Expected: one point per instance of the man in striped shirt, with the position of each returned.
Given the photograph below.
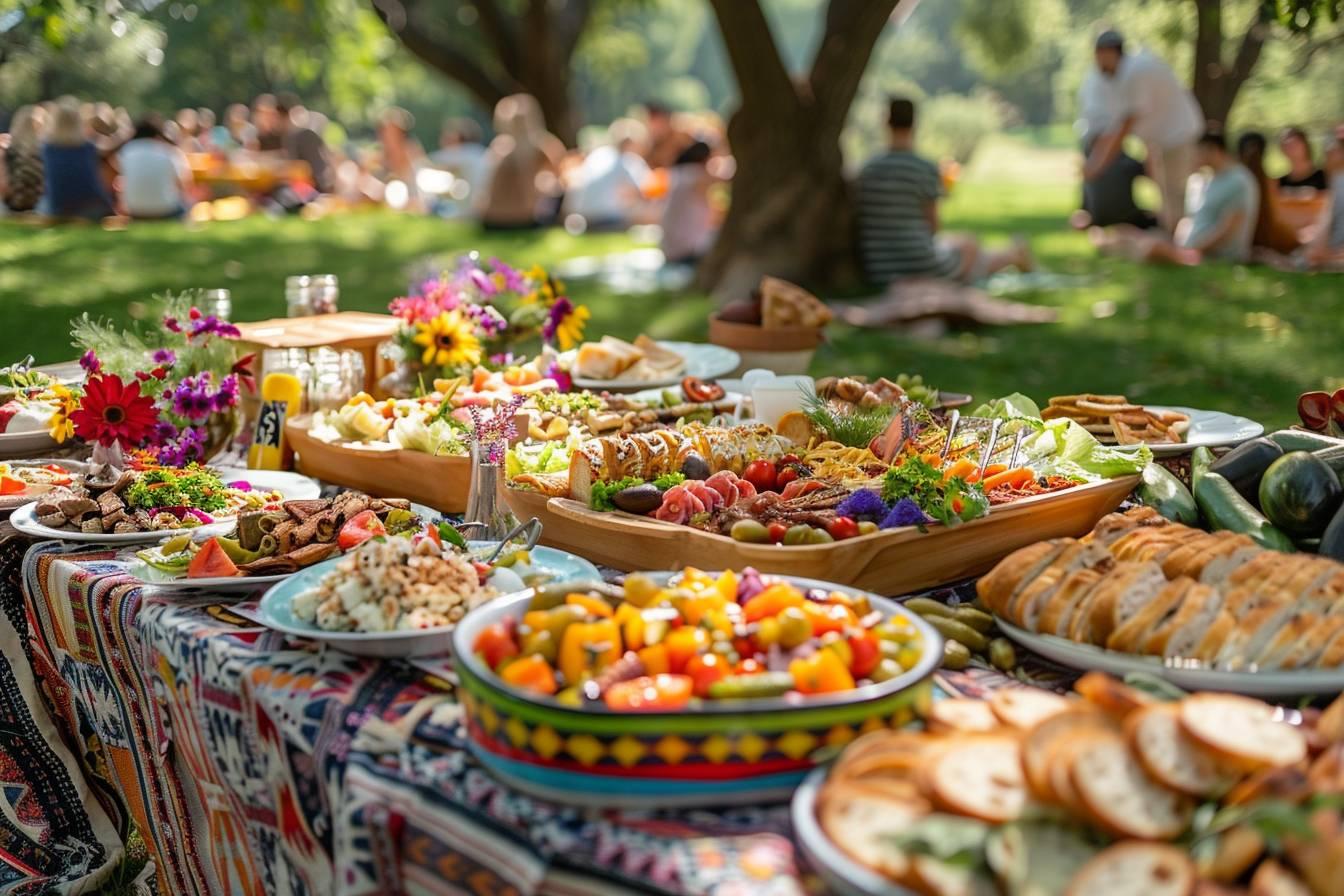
(898, 193)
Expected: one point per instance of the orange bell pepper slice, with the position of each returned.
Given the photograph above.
(593, 604)
(821, 673)
(531, 673)
(650, 693)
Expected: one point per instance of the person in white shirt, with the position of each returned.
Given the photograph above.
(607, 189)
(1108, 198)
(1156, 107)
(155, 177)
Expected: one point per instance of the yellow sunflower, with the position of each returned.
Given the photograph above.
(569, 332)
(60, 426)
(449, 340)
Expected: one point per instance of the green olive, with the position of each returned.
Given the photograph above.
(794, 627)
(867, 527)
(886, 670)
(956, 655)
(819, 536)
(541, 643)
(1002, 654)
(976, 619)
(750, 531)
(797, 535)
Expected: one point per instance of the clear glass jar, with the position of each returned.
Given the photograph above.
(298, 296)
(325, 292)
(218, 302)
(292, 361)
(338, 376)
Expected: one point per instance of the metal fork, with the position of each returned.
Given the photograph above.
(532, 527)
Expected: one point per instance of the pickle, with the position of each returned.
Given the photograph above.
(1002, 654)
(956, 655)
(175, 545)
(927, 606)
(751, 687)
(976, 619)
(959, 631)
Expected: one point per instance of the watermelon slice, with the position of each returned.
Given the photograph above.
(211, 562)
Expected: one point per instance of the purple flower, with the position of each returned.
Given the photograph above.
(213, 325)
(559, 311)
(494, 432)
(227, 396)
(193, 398)
(89, 361)
(563, 381)
(162, 433)
(188, 447)
(171, 324)
(905, 513)
(514, 281)
(504, 359)
(863, 504)
(164, 357)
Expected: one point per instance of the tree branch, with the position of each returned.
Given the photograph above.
(1248, 53)
(398, 16)
(762, 78)
(852, 29)
(1309, 50)
(570, 20)
(501, 32)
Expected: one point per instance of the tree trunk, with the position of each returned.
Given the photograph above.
(1214, 81)
(791, 214)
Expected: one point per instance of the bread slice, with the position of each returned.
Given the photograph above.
(1111, 696)
(883, 753)
(863, 825)
(1135, 869)
(1043, 738)
(1240, 732)
(1026, 606)
(1120, 796)
(1273, 879)
(1131, 636)
(1254, 630)
(1126, 591)
(1217, 571)
(1301, 633)
(1025, 707)
(1332, 656)
(981, 777)
(998, 586)
(961, 715)
(1193, 603)
(1215, 636)
(1257, 572)
(1192, 559)
(1171, 756)
(1203, 603)
(1057, 612)
(1151, 543)
(1114, 526)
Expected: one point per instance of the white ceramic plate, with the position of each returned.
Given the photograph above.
(291, 485)
(24, 444)
(703, 361)
(1267, 685)
(842, 874)
(26, 522)
(165, 581)
(276, 611)
(1209, 429)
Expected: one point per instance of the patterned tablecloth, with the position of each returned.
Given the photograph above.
(256, 766)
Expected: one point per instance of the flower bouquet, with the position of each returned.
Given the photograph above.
(171, 393)
(480, 314)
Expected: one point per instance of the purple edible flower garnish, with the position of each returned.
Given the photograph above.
(905, 513)
(89, 361)
(164, 357)
(863, 504)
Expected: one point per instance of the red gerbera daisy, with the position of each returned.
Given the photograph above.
(112, 412)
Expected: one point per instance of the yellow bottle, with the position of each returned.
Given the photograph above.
(281, 394)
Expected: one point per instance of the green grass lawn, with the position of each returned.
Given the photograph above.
(1240, 339)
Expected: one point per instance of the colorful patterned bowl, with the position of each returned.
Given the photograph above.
(719, 753)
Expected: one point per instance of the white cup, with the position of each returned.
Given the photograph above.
(774, 396)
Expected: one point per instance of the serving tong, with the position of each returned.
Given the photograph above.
(532, 528)
(995, 425)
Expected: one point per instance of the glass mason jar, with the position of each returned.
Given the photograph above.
(298, 296)
(325, 292)
(218, 302)
(292, 361)
(337, 377)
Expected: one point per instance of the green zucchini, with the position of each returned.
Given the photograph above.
(1166, 494)
(1333, 457)
(1332, 542)
(1200, 461)
(1303, 440)
(1300, 494)
(1225, 508)
(1245, 465)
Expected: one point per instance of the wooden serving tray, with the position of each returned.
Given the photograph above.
(893, 562)
(439, 482)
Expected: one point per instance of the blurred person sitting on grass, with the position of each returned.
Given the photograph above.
(1222, 226)
(1271, 231)
(1303, 175)
(23, 172)
(156, 180)
(302, 143)
(1325, 250)
(524, 159)
(666, 140)
(898, 193)
(73, 186)
(688, 222)
(461, 151)
(606, 190)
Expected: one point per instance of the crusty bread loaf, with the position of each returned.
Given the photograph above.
(1135, 869)
(1194, 557)
(1026, 606)
(1195, 603)
(1127, 590)
(1131, 636)
(1114, 526)
(1240, 732)
(1220, 568)
(1171, 756)
(1056, 612)
(1254, 630)
(997, 587)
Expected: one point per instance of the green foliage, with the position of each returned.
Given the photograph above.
(952, 126)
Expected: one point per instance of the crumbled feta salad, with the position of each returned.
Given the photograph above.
(388, 584)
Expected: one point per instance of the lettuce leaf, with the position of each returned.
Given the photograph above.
(1009, 407)
(1062, 447)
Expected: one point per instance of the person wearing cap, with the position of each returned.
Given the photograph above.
(1153, 104)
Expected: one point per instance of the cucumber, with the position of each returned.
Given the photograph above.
(1332, 542)
(1200, 461)
(1245, 465)
(1166, 494)
(1225, 508)
(1333, 458)
(1303, 440)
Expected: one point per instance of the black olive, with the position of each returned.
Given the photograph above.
(639, 499)
(695, 467)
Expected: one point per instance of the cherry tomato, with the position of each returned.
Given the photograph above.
(704, 670)
(777, 531)
(842, 527)
(360, 528)
(495, 645)
(651, 693)
(761, 474)
(789, 459)
(828, 617)
(866, 650)
(698, 391)
(785, 476)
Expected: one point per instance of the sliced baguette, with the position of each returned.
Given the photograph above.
(1131, 636)
(1240, 732)
(1111, 696)
(1220, 568)
(863, 824)
(1171, 756)
(1120, 796)
(1215, 636)
(1273, 879)
(1194, 604)
(1038, 743)
(1197, 556)
(1184, 639)
(1135, 869)
(961, 715)
(1057, 611)
(1014, 572)
(1024, 708)
(1129, 588)
(1254, 630)
(980, 777)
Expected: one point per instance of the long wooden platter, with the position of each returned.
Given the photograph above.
(893, 562)
(439, 482)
